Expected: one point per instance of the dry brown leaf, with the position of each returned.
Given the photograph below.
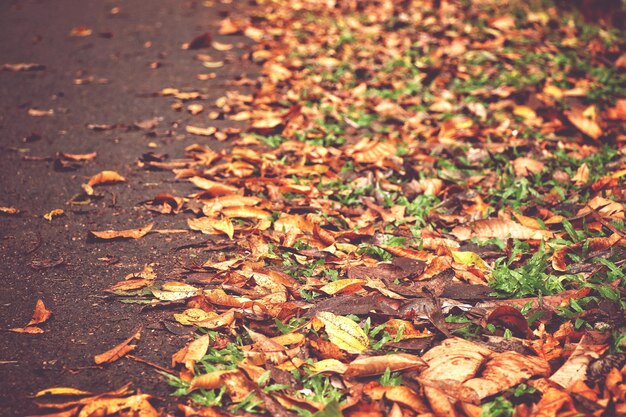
(41, 314)
(118, 351)
(201, 131)
(618, 112)
(214, 188)
(499, 228)
(192, 353)
(77, 156)
(40, 113)
(28, 329)
(81, 31)
(104, 177)
(403, 395)
(212, 226)
(575, 368)
(586, 125)
(524, 167)
(23, 67)
(123, 234)
(605, 207)
(9, 210)
(53, 213)
(135, 405)
(377, 365)
(582, 175)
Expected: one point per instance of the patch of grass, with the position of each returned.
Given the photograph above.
(527, 280)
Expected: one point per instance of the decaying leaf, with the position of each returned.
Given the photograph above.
(453, 367)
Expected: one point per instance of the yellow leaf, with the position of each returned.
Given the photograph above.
(343, 286)
(343, 332)
(469, 259)
(193, 315)
(53, 213)
(329, 366)
(61, 391)
(524, 112)
(553, 91)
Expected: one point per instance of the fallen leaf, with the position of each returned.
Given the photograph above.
(201, 131)
(41, 314)
(77, 156)
(343, 332)
(62, 391)
(199, 42)
(582, 175)
(212, 226)
(9, 210)
(23, 67)
(118, 351)
(192, 353)
(40, 113)
(53, 213)
(123, 234)
(28, 329)
(586, 125)
(501, 229)
(377, 365)
(104, 177)
(81, 31)
(524, 167)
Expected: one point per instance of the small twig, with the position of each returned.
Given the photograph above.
(160, 368)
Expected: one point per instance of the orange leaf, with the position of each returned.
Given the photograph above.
(123, 234)
(118, 351)
(40, 315)
(9, 210)
(192, 353)
(29, 330)
(104, 177)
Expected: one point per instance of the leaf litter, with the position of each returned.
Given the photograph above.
(424, 217)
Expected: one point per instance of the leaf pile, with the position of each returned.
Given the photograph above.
(424, 217)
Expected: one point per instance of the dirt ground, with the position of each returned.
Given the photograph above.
(55, 260)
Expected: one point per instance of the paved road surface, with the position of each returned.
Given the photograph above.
(128, 37)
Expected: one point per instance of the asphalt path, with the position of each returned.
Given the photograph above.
(109, 77)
